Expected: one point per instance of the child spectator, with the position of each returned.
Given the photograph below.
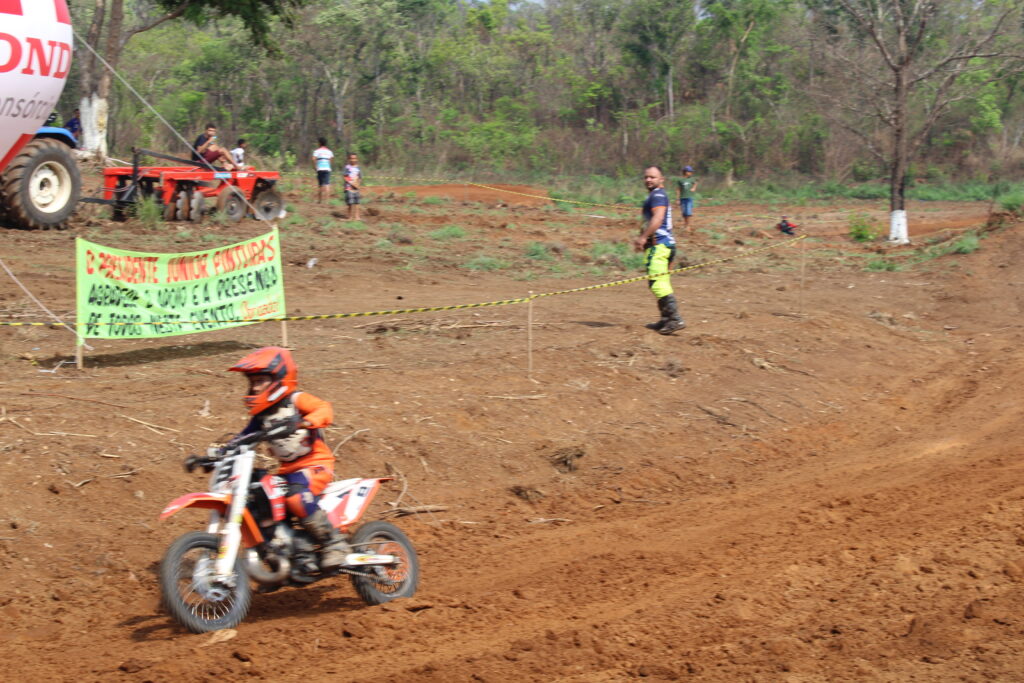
(238, 153)
(353, 181)
(322, 163)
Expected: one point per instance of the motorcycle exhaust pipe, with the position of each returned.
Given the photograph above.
(257, 572)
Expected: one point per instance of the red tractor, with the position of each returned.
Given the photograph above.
(184, 191)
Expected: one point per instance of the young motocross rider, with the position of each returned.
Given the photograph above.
(307, 464)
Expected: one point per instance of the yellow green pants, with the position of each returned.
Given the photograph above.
(659, 260)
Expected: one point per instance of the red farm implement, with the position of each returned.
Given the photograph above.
(185, 192)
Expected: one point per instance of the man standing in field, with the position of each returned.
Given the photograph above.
(687, 192)
(322, 163)
(659, 246)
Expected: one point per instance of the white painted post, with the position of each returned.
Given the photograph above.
(898, 233)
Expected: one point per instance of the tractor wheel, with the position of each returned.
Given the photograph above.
(183, 204)
(231, 202)
(267, 205)
(41, 186)
(197, 205)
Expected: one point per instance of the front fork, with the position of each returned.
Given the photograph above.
(229, 530)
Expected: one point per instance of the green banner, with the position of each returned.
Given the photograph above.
(134, 294)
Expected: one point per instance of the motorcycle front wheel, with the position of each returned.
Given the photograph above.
(192, 593)
(381, 583)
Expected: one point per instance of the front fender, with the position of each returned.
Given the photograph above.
(251, 534)
(216, 501)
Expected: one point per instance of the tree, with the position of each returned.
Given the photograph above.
(914, 60)
(107, 37)
(654, 32)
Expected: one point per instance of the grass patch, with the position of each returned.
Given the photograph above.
(292, 219)
(486, 263)
(435, 200)
(538, 251)
(882, 265)
(446, 233)
(355, 226)
(617, 254)
(965, 244)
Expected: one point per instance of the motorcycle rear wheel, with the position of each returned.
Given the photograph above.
(389, 582)
(192, 595)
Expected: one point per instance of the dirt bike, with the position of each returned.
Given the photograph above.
(205, 575)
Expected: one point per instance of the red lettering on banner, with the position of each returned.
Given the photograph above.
(15, 57)
(130, 269)
(63, 15)
(186, 268)
(13, 7)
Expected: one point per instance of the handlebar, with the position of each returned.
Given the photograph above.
(277, 430)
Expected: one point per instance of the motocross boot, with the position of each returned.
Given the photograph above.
(333, 547)
(673, 321)
(664, 316)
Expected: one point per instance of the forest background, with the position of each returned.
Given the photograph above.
(761, 91)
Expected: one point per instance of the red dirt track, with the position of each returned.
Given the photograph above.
(808, 483)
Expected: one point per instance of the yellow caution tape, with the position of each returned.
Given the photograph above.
(431, 309)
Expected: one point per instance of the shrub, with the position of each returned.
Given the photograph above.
(1012, 202)
(149, 213)
(862, 229)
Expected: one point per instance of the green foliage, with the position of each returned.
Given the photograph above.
(486, 263)
(538, 251)
(863, 229)
(433, 200)
(448, 232)
(1012, 202)
(617, 253)
(966, 244)
(149, 212)
(545, 91)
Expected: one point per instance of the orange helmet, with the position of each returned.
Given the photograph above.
(276, 362)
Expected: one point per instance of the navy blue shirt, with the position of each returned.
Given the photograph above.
(663, 235)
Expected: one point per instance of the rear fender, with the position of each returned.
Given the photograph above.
(346, 501)
(251, 534)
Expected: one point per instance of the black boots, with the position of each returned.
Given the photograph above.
(664, 316)
(670, 320)
(333, 547)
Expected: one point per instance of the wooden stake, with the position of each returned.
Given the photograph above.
(79, 347)
(529, 338)
(284, 334)
(803, 263)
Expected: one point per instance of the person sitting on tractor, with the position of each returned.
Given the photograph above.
(307, 464)
(207, 150)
